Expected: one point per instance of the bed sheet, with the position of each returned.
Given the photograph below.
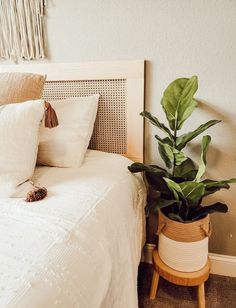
(79, 247)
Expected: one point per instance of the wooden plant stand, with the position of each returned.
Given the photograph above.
(180, 278)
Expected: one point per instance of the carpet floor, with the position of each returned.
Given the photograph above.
(220, 292)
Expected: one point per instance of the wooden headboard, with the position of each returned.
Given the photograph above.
(118, 127)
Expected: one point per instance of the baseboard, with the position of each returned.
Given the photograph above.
(223, 265)
(220, 264)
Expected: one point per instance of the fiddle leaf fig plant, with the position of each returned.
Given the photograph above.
(180, 187)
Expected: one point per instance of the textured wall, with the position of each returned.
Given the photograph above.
(178, 38)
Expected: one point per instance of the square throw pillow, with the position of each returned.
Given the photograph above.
(20, 87)
(65, 145)
(19, 130)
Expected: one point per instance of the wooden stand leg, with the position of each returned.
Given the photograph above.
(155, 280)
(201, 296)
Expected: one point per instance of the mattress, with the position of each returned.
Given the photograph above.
(79, 247)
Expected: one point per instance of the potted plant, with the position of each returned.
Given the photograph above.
(183, 224)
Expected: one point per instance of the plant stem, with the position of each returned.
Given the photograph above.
(175, 136)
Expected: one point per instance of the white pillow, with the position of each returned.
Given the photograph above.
(19, 130)
(65, 145)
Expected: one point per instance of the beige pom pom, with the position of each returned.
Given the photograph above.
(36, 194)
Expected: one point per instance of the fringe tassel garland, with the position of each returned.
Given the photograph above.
(22, 29)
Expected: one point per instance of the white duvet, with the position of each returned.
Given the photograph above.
(79, 247)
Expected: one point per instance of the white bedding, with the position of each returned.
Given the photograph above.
(79, 247)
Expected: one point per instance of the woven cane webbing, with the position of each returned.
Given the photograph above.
(110, 130)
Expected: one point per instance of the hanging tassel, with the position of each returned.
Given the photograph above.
(36, 194)
(50, 116)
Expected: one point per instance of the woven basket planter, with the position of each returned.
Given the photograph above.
(183, 246)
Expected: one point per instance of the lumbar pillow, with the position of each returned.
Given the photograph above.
(65, 145)
(19, 129)
(20, 87)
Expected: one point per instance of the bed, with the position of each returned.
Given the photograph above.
(81, 246)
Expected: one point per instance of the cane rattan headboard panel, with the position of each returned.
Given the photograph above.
(118, 127)
(110, 130)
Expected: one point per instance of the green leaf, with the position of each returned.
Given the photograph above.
(175, 217)
(186, 170)
(204, 147)
(170, 155)
(156, 122)
(164, 140)
(154, 176)
(159, 138)
(182, 140)
(161, 203)
(213, 186)
(157, 182)
(174, 187)
(178, 102)
(139, 167)
(190, 176)
(192, 192)
(210, 183)
(216, 207)
(166, 153)
(179, 157)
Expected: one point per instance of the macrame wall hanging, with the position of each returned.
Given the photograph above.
(22, 29)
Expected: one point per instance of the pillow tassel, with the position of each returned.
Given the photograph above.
(50, 116)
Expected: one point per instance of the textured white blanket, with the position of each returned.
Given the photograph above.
(81, 246)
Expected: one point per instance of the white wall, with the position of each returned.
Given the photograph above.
(178, 38)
